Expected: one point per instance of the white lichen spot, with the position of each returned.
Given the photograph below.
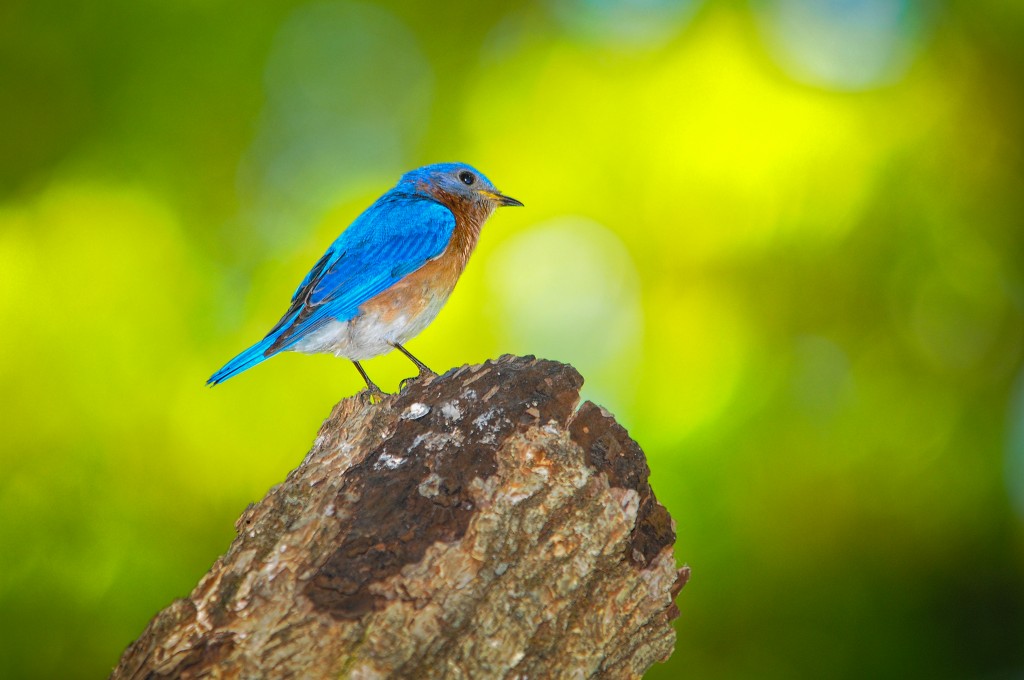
(329, 510)
(416, 442)
(436, 441)
(282, 549)
(431, 486)
(501, 568)
(388, 461)
(451, 411)
(415, 411)
(484, 419)
(469, 394)
(629, 502)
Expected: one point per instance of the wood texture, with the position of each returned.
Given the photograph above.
(476, 525)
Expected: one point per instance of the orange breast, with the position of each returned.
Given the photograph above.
(432, 283)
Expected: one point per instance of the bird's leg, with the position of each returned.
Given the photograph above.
(372, 390)
(424, 369)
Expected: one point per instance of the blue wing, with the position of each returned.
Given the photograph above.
(394, 237)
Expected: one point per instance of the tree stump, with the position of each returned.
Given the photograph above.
(475, 525)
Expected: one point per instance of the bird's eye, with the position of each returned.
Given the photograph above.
(466, 177)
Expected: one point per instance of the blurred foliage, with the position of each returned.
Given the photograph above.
(782, 239)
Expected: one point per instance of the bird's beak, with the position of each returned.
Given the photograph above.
(502, 199)
(508, 200)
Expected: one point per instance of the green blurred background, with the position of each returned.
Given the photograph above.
(782, 241)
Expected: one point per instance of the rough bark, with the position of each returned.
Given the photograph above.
(476, 525)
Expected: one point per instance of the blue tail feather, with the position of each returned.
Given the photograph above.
(245, 360)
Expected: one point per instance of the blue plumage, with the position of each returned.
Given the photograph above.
(393, 237)
(409, 226)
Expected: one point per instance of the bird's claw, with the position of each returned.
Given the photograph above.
(372, 395)
(419, 376)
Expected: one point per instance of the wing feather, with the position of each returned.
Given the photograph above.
(393, 238)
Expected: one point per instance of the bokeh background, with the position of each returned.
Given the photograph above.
(782, 240)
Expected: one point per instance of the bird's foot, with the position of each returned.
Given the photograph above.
(373, 395)
(424, 373)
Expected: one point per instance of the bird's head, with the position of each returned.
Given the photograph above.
(456, 182)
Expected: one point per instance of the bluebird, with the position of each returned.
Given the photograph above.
(386, 277)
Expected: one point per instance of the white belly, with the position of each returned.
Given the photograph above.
(368, 335)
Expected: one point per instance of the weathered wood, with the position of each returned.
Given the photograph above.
(476, 525)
